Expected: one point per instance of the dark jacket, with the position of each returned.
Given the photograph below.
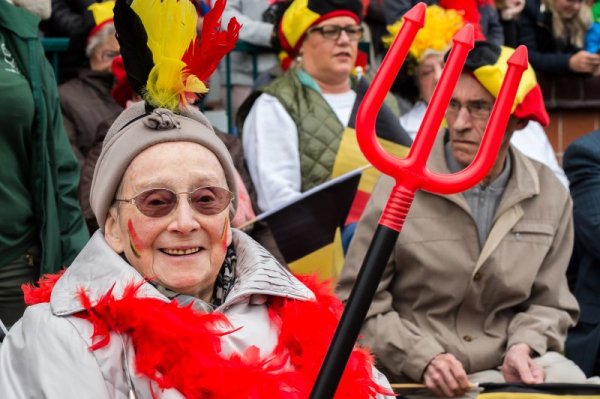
(582, 166)
(55, 173)
(86, 102)
(546, 54)
(72, 19)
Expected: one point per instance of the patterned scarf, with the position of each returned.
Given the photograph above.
(223, 284)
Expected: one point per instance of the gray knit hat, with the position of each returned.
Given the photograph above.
(135, 130)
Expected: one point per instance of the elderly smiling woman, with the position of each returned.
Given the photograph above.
(167, 300)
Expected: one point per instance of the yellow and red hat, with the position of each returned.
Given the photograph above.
(487, 62)
(103, 15)
(303, 14)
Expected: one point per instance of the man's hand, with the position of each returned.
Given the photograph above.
(446, 376)
(519, 367)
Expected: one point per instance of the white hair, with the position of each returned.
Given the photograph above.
(93, 42)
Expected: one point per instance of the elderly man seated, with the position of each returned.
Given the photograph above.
(475, 290)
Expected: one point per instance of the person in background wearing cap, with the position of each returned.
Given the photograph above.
(292, 128)
(426, 56)
(86, 100)
(475, 290)
(41, 228)
(167, 300)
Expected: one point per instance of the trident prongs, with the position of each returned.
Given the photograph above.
(411, 173)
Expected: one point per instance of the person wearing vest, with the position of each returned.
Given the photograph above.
(294, 125)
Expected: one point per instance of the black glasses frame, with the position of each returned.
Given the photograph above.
(333, 32)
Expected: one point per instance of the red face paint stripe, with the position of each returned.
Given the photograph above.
(224, 234)
(134, 240)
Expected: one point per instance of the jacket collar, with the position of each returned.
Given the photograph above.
(523, 181)
(98, 269)
(20, 21)
(101, 81)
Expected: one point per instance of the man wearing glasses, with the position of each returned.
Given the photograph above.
(475, 290)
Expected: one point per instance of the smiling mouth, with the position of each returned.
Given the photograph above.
(181, 252)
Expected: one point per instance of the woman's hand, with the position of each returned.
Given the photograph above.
(519, 367)
(584, 62)
(512, 9)
(446, 376)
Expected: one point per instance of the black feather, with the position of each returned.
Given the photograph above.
(133, 39)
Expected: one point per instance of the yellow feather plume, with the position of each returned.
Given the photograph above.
(440, 27)
(171, 27)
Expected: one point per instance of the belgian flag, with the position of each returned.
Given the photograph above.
(307, 230)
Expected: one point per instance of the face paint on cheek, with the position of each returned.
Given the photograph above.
(134, 240)
(224, 234)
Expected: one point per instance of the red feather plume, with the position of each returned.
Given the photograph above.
(205, 52)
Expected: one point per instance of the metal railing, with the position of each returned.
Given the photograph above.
(254, 51)
(52, 47)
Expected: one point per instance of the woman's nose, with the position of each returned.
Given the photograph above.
(184, 217)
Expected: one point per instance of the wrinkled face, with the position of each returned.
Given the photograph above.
(465, 129)
(184, 250)
(567, 9)
(327, 59)
(103, 55)
(467, 117)
(429, 71)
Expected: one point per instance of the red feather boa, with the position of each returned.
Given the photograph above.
(180, 348)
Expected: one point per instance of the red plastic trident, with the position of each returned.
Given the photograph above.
(411, 173)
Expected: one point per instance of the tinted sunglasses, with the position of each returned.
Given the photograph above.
(159, 202)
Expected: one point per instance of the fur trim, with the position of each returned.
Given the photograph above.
(180, 347)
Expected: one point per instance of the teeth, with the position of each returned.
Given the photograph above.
(181, 251)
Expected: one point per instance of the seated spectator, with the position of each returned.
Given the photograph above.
(554, 31)
(168, 300)
(582, 165)
(475, 290)
(482, 14)
(432, 41)
(71, 19)
(293, 130)
(86, 100)
(41, 228)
